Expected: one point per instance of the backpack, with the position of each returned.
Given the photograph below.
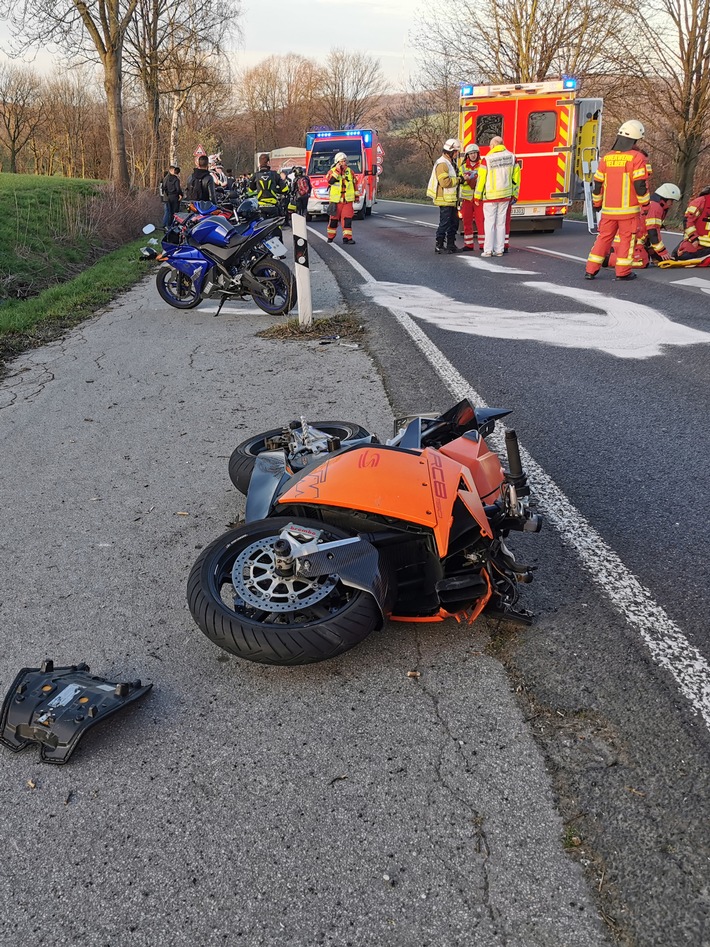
(302, 187)
(199, 188)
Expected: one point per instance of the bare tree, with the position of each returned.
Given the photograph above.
(524, 40)
(675, 77)
(162, 31)
(94, 29)
(21, 110)
(351, 84)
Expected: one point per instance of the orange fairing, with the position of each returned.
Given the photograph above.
(417, 488)
(483, 464)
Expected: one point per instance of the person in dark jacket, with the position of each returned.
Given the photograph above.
(268, 188)
(172, 195)
(200, 184)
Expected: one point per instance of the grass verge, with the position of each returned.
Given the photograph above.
(31, 322)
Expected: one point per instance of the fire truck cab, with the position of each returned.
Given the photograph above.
(365, 156)
(554, 135)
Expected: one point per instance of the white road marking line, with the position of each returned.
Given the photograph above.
(695, 281)
(567, 256)
(668, 646)
(478, 264)
(394, 217)
(425, 223)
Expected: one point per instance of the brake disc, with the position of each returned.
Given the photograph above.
(258, 584)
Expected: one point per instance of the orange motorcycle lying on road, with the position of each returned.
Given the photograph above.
(342, 533)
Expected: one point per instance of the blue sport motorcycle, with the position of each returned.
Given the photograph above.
(216, 259)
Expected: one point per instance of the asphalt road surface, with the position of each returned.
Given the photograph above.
(341, 804)
(609, 383)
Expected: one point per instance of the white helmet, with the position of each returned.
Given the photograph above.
(671, 192)
(452, 144)
(632, 129)
(341, 156)
(471, 149)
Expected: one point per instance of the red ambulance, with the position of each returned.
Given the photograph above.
(554, 135)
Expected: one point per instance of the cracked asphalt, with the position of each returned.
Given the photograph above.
(340, 804)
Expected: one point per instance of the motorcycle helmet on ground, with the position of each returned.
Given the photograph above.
(248, 209)
(632, 129)
(148, 253)
(671, 192)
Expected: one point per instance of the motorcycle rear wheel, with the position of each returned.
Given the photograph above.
(279, 284)
(176, 289)
(327, 619)
(241, 463)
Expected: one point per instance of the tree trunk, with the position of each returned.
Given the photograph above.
(686, 162)
(116, 134)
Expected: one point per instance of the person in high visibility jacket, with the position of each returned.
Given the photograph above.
(649, 246)
(496, 187)
(620, 190)
(443, 189)
(343, 194)
(696, 221)
(267, 187)
(471, 213)
(509, 212)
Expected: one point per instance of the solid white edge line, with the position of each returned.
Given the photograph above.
(669, 647)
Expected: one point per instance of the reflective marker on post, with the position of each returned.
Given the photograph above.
(303, 273)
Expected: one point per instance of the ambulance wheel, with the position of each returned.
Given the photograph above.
(360, 214)
(368, 211)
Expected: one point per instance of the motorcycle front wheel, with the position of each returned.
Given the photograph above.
(241, 463)
(278, 294)
(245, 607)
(177, 289)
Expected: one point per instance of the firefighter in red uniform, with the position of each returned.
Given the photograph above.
(471, 214)
(620, 191)
(696, 236)
(649, 246)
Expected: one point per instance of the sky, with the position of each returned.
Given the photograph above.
(378, 28)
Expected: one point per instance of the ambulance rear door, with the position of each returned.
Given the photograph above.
(484, 118)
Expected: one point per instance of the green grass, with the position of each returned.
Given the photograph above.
(39, 243)
(32, 322)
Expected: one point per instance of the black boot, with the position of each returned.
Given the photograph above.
(439, 247)
(452, 248)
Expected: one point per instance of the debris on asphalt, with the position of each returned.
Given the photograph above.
(54, 707)
(414, 674)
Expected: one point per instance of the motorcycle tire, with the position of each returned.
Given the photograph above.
(179, 281)
(329, 618)
(280, 283)
(243, 458)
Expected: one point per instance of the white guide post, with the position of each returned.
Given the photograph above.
(303, 273)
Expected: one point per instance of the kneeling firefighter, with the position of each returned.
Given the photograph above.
(649, 246)
(696, 236)
(343, 194)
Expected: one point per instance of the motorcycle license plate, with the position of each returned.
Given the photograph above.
(275, 247)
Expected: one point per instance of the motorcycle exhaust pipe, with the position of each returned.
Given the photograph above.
(516, 476)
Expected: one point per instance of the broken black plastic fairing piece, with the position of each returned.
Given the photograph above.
(54, 707)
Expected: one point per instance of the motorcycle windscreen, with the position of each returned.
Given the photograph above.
(414, 487)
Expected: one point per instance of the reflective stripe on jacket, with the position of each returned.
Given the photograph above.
(443, 183)
(343, 187)
(269, 187)
(498, 178)
(617, 173)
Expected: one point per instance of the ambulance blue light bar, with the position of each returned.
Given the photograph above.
(466, 90)
(365, 134)
(569, 83)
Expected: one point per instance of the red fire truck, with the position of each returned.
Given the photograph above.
(365, 155)
(554, 135)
